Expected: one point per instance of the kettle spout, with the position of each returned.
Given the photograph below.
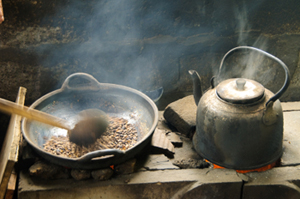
(197, 89)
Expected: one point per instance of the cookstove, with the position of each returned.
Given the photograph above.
(178, 174)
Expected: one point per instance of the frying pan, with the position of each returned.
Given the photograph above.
(82, 91)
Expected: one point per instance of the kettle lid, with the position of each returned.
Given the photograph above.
(240, 91)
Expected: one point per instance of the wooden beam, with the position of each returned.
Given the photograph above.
(11, 187)
(10, 149)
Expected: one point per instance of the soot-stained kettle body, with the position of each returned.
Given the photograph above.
(239, 123)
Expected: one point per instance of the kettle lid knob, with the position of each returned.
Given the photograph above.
(240, 83)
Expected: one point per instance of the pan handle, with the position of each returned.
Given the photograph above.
(96, 154)
(71, 84)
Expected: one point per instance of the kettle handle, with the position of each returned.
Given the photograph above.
(287, 73)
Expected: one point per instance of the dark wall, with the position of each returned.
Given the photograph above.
(143, 44)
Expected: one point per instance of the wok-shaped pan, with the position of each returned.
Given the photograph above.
(82, 91)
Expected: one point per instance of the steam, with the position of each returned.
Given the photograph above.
(254, 63)
(243, 27)
(250, 64)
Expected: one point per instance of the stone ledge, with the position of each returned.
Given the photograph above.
(291, 139)
(169, 181)
(279, 183)
(290, 106)
(159, 184)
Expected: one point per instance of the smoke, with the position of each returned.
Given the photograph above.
(128, 42)
(116, 41)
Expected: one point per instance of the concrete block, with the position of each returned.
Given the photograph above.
(291, 139)
(279, 183)
(182, 115)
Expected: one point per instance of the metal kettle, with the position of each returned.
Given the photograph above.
(239, 123)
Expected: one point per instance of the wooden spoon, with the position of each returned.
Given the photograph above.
(90, 123)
